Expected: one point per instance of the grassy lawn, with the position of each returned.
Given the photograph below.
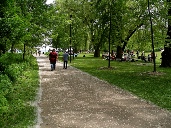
(136, 77)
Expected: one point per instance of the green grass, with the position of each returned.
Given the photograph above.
(132, 76)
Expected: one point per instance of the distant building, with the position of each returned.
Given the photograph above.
(44, 48)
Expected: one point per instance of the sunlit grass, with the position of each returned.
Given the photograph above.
(136, 77)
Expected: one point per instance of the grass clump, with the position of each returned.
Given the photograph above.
(137, 77)
(18, 85)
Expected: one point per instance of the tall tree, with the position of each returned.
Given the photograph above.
(90, 23)
(166, 60)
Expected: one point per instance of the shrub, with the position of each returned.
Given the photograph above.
(5, 90)
(18, 84)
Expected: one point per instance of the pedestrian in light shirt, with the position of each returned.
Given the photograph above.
(65, 59)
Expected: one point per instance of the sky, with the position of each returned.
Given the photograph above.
(49, 1)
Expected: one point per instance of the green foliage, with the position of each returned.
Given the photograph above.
(28, 22)
(12, 68)
(13, 71)
(18, 85)
(136, 77)
(22, 22)
(5, 90)
(130, 25)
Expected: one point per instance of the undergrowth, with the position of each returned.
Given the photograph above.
(18, 86)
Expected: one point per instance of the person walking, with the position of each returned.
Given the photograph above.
(53, 56)
(65, 59)
(39, 52)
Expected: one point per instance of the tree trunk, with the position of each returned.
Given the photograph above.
(12, 48)
(97, 51)
(119, 52)
(2, 49)
(24, 51)
(75, 50)
(166, 60)
(169, 23)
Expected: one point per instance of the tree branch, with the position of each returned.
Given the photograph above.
(131, 32)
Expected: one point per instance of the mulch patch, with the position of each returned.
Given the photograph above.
(107, 68)
(152, 73)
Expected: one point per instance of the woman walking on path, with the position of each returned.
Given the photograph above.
(53, 56)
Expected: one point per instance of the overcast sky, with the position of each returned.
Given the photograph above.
(49, 1)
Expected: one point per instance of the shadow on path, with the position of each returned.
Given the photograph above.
(71, 98)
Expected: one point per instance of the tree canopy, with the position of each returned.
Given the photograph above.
(24, 22)
(90, 24)
(21, 22)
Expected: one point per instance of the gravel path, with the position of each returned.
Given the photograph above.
(70, 98)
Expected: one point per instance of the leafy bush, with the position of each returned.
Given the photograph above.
(13, 71)
(12, 65)
(5, 89)
(18, 85)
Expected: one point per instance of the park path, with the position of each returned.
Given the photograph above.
(70, 98)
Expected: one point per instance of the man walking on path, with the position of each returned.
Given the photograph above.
(53, 56)
(65, 59)
(74, 99)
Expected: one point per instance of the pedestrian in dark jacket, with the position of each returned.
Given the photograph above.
(53, 56)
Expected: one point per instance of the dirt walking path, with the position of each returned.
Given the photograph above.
(70, 98)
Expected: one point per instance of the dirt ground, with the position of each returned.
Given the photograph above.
(70, 98)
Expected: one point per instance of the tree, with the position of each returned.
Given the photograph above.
(166, 60)
(4, 28)
(90, 24)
